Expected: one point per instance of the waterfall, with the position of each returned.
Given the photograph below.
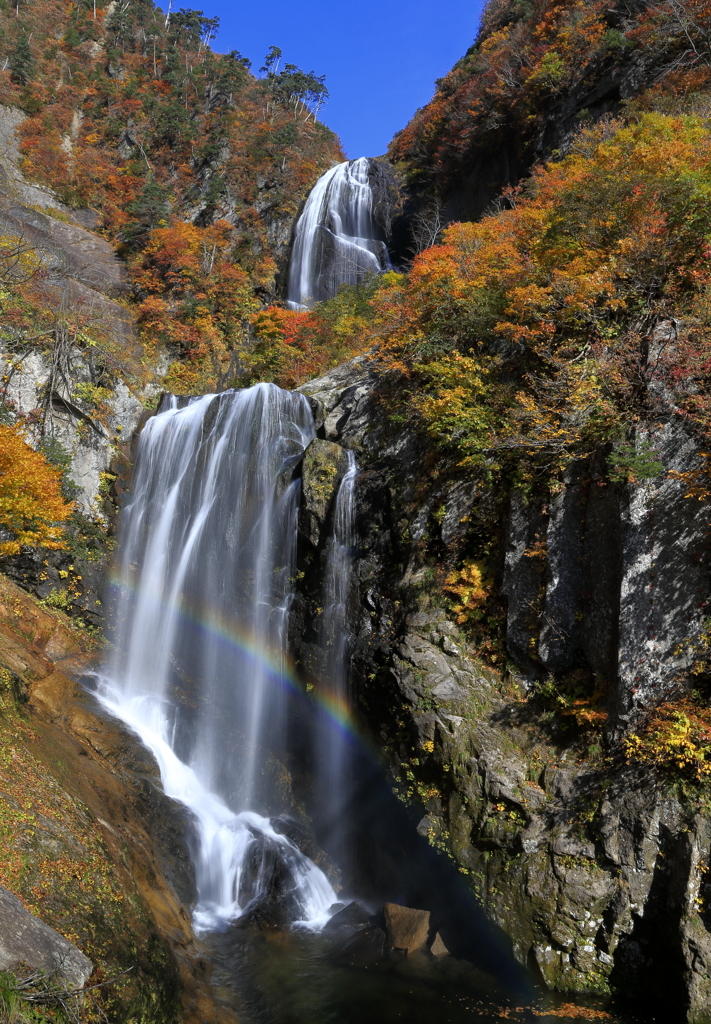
(337, 239)
(204, 585)
(334, 644)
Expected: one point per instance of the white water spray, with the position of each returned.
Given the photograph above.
(204, 588)
(337, 240)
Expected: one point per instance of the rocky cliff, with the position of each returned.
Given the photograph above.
(595, 867)
(536, 74)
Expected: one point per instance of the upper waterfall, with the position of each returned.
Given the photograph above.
(338, 240)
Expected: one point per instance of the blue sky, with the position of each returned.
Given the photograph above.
(380, 59)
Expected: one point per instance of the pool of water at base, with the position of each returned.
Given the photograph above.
(287, 978)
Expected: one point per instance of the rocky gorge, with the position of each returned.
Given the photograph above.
(508, 677)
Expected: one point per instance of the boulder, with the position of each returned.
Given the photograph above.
(367, 946)
(438, 948)
(25, 941)
(347, 920)
(406, 928)
(342, 402)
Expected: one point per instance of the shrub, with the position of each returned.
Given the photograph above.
(675, 740)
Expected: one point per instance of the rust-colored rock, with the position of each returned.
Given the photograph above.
(406, 928)
(82, 801)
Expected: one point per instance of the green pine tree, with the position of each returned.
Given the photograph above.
(21, 63)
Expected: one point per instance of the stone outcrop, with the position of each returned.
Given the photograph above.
(341, 402)
(600, 573)
(27, 942)
(595, 870)
(81, 275)
(322, 471)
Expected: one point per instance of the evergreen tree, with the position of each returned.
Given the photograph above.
(21, 63)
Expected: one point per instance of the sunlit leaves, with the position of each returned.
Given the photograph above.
(32, 509)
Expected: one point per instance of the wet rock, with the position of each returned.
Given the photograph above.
(267, 886)
(405, 927)
(323, 468)
(368, 946)
(298, 833)
(347, 920)
(27, 941)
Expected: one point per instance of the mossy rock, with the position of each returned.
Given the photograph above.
(325, 464)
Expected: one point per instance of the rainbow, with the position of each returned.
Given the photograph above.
(279, 670)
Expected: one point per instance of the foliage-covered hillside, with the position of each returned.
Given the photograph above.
(193, 167)
(536, 74)
(560, 331)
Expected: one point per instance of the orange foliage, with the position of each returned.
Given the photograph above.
(528, 66)
(151, 128)
(32, 509)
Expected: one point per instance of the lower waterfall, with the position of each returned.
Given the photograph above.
(203, 590)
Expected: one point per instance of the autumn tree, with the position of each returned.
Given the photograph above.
(32, 509)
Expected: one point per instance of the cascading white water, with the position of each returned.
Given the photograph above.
(204, 586)
(334, 640)
(337, 240)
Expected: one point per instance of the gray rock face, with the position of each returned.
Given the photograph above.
(25, 940)
(341, 402)
(665, 572)
(68, 250)
(616, 900)
(84, 275)
(626, 577)
(596, 874)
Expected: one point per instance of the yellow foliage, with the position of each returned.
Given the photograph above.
(469, 586)
(677, 739)
(32, 508)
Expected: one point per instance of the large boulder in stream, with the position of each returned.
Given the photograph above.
(406, 928)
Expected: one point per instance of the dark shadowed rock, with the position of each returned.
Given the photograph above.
(27, 941)
(367, 946)
(347, 920)
(523, 577)
(406, 928)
